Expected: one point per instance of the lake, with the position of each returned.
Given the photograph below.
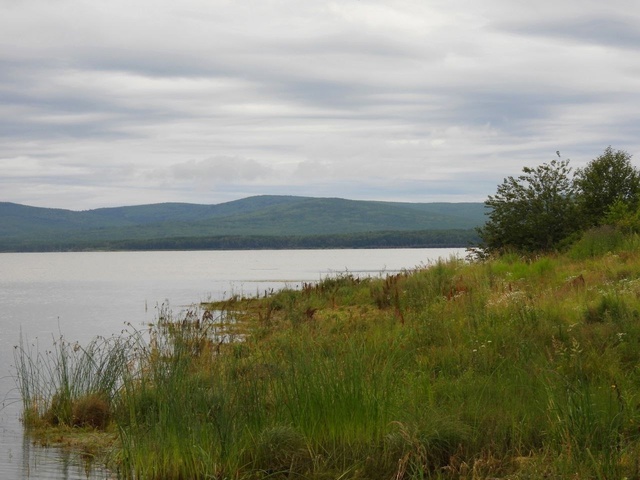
(83, 295)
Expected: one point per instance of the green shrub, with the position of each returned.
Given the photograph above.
(281, 449)
(596, 242)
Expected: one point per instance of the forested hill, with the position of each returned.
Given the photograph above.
(254, 222)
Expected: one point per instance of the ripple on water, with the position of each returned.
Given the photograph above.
(20, 459)
(40, 463)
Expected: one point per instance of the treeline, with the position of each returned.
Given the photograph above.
(387, 239)
(549, 207)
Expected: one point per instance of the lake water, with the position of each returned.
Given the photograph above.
(83, 295)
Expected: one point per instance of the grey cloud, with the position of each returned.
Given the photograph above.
(359, 99)
(618, 32)
(219, 169)
(515, 111)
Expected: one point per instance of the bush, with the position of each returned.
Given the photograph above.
(597, 241)
(533, 212)
(608, 179)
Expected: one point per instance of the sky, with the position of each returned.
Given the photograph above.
(111, 103)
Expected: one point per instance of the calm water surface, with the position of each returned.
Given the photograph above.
(82, 295)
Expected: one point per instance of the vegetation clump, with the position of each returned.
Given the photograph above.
(548, 207)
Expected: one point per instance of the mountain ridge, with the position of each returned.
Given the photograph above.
(257, 216)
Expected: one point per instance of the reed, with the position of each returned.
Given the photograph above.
(68, 384)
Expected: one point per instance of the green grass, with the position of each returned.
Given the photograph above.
(509, 368)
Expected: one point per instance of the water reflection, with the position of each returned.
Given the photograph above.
(22, 458)
(54, 463)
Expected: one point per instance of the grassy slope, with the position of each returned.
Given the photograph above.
(512, 368)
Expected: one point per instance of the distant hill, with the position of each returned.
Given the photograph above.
(254, 222)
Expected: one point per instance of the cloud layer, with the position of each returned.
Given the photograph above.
(117, 103)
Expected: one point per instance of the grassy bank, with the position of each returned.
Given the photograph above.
(510, 368)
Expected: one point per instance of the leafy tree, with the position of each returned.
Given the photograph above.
(621, 216)
(608, 179)
(534, 211)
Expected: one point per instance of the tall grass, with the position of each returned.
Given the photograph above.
(507, 368)
(70, 385)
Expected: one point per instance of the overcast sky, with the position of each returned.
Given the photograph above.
(107, 103)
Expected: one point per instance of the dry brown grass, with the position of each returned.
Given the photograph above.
(91, 411)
